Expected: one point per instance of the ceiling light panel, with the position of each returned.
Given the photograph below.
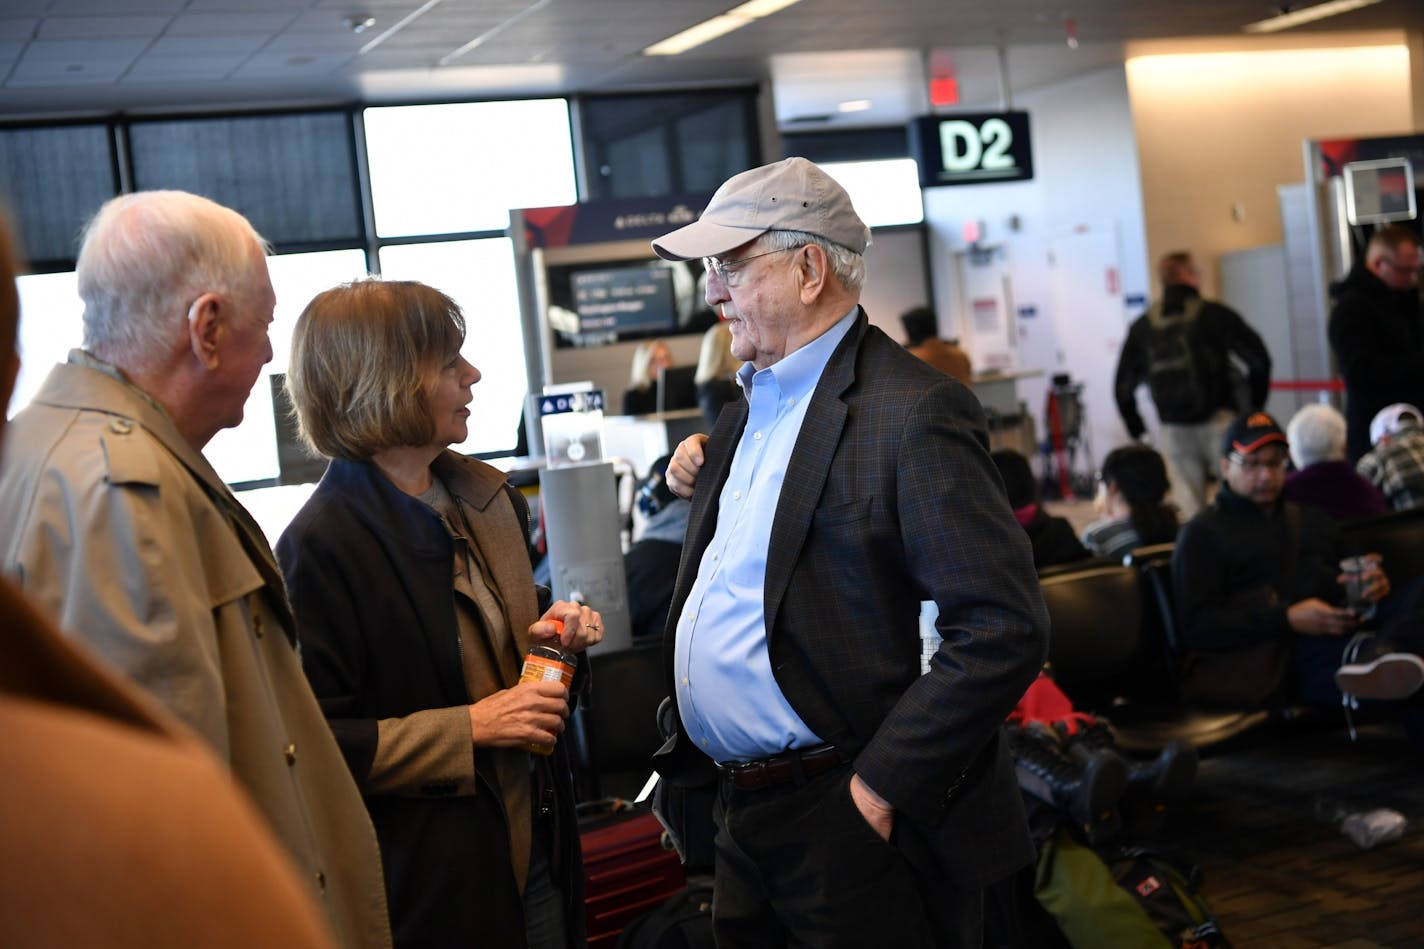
(1293, 18)
(717, 26)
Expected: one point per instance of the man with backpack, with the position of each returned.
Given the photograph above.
(1182, 349)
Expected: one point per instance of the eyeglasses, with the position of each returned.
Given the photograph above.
(727, 270)
(1415, 272)
(1260, 464)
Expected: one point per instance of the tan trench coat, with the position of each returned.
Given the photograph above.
(125, 534)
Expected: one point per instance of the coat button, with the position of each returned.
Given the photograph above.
(120, 426)
(321, 881)
(257, 625)
(290, 752)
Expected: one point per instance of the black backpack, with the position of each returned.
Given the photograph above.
(684, 921)
(1175, 370)
(1170, 891)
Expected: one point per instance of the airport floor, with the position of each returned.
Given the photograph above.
(1278, 875)
(1281, 877)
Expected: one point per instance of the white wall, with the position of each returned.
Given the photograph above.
(895, 278)
(1086, 179)
(1221, 121)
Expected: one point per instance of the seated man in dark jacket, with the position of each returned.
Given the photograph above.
(1259, 596)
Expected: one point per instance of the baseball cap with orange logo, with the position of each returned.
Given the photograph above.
(1251, 432)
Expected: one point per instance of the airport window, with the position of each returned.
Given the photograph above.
(873, 164)
(883, 192)
(479, 276)
(639, 145)
(248, 453)
(460, 168)
(292, 175)
(866, 144)
(443, 179)
(53, 178)
(51, 324)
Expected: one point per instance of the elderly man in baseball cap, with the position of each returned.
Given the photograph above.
(774, 212)
(859, 803)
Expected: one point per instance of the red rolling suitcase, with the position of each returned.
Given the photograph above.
(627, 872)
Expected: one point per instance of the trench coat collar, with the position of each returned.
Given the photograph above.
(86, 383)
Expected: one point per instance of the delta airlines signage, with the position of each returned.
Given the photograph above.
(972, 148)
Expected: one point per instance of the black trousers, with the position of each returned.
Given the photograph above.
(797, 865)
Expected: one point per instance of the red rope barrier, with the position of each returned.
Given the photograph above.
(1308, 385)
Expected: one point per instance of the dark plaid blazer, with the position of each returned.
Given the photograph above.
(889, 499)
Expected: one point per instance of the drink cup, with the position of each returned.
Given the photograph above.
(1355, 571)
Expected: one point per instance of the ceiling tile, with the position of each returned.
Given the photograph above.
(247, 6)
(218, 24)
(18, 28)
(30, 70)
(382, 58)
(390, 10)
(587, 44)
(236, 44)
(328, 21)
(268, 65)
(114, 7)
(290, 42)
(100, 27)
(118, 49)
(187, 67)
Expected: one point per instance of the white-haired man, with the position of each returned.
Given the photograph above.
(1322, 477)
(121, 529)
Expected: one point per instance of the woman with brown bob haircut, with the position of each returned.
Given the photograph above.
(418, 672)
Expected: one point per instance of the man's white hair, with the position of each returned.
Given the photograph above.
(1316, 433)
(145, 258)
(846, 264)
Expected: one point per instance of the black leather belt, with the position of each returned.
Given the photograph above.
(793, 767)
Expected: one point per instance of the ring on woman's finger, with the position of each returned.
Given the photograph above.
(593, 626)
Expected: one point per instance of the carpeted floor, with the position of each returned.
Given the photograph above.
(1277, 874)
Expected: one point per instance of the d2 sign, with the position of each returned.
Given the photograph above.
(972, 148)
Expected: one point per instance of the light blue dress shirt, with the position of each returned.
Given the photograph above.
(730, 702)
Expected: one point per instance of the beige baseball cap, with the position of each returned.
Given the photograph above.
(790, 195)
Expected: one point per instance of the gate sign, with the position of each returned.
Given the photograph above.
(972, 148)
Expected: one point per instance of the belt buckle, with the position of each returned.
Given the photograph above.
(753, 774)
(748, 775)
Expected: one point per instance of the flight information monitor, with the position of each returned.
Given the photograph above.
(1379, 191)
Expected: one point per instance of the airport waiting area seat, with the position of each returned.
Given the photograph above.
(1112, 650)
(614, 729)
